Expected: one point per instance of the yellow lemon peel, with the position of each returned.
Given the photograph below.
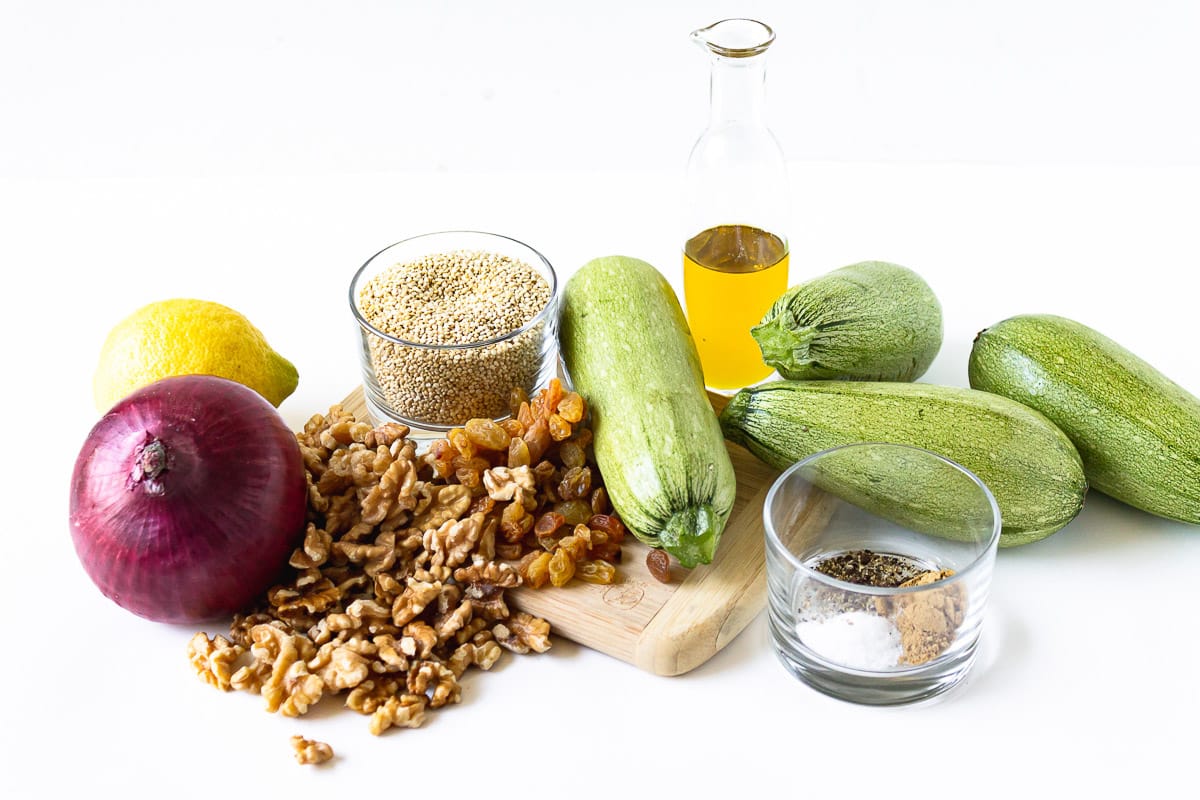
(189, 337)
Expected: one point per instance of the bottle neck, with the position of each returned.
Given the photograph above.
(737, 91)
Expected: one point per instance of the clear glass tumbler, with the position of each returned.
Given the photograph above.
(879, 559)
(435, 386)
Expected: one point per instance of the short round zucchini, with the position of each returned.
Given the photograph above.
(871, 321)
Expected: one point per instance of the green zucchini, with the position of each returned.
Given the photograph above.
(881, 480)
(1030, 466)
(1137, 431)
(627, 349)
(871, 321)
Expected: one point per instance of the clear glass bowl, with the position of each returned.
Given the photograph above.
(433, 388)
(924, 520)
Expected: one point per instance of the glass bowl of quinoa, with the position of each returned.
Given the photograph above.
(450, 324)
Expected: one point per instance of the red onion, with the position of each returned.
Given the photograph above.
(187, 499)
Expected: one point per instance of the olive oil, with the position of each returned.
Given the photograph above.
(731, 276)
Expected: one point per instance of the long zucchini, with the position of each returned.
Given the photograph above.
(1030, 465)
(1137, 431)
(627, 349)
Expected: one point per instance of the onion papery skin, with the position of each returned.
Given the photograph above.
(209, 534)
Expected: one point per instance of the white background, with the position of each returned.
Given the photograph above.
(1022, 156)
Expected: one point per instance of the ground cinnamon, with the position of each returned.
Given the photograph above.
(927, 620)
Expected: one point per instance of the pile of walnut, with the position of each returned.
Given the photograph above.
(399, 585)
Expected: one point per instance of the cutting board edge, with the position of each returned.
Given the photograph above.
(708, 610)
(669, 645)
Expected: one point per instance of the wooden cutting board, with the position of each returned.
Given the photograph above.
(665, 628)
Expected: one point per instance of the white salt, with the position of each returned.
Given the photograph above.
(856, 639)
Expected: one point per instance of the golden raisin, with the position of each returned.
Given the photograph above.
(515, 398)
(476, 463)
(512, 427)
(518, 453)
(441, 454)
(560, 429)
(576, 484)
(487, 434)
(512, 512)
(575, 512)
(515, 522)
(545, 471)
(659, 564)
(571, 407)
(469, 478)
(562, 568)
(524, 526)
(600, 572)
(606, 551)
(538, 439)
(525, 415)
(584, 533)
(535, 569)
(575, 545)
(610, 525)
(548, 523)
(507, 551)
(524, 562)
(482, 504)
(599, 501)
(461, 442)
(551, 395)
(583, 438)
(571, 455)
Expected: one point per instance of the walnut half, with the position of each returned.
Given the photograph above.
(523, 632)
(310, 751)
(213, 659)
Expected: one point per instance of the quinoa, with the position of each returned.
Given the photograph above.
(455, 298)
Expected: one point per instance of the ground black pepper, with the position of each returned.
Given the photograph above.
(868, 568)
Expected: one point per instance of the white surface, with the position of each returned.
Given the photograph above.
(255, 154)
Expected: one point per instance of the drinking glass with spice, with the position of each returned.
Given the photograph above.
(879, 559)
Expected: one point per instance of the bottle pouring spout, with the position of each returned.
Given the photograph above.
(735, 38)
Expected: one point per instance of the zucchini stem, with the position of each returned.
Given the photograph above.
(784, 347)
(691, 535)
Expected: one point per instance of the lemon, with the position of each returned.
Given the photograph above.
(189, 337)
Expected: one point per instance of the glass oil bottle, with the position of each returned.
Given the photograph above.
(735, 255)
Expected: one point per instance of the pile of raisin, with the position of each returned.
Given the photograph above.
(566, 527)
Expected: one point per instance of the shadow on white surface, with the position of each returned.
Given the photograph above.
(1005, 647)
(1106, 532)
